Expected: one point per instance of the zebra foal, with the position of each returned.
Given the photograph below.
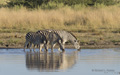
(36, 39)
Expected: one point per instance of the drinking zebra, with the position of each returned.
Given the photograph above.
(35, 38)
(66, 36)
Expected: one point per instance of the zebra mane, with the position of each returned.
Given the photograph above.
(72, 34)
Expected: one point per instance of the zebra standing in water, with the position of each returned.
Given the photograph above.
(52, 39)
(66, 36)
(36, 39)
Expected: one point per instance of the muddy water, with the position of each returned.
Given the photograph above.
(84, 62)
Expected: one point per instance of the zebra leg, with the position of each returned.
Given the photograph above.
(34, 47)
(52, 46)
(61, 46)
(40, 48)
(46, 47)
(26, 43)
(30, 46)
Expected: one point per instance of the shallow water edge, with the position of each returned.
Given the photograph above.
(70, 46)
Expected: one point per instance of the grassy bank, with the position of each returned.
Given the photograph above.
(98, 25)
(86, 19)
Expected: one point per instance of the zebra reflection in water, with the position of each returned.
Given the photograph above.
(50, 61)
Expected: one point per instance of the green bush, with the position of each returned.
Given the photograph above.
(27, 3)
(38, 3)
(51, 5)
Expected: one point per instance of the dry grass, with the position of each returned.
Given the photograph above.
(87, 19)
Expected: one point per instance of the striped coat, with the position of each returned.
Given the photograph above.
(36, 39)
(52, 39)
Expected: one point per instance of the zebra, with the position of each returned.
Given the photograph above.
(66, 36)
(35, 38)
(52, 39)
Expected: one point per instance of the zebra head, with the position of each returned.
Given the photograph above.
(74, 40)
(76, 44)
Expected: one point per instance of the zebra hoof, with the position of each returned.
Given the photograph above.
(78, 49)
(63, 50)
(46, 51)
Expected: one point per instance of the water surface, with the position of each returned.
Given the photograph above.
(84, 62)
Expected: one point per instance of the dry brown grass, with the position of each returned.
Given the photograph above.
(87, 19)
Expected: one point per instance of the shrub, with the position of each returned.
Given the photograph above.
(51, 5)
(27, 3)
(37, 3)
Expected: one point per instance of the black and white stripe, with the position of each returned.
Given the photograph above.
(45, 37)
(66, 36)
(52, 38)
(36, 39)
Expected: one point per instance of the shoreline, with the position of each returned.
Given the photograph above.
(69, 46)
(90, 40)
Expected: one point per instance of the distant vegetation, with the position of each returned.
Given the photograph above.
(55, 3)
